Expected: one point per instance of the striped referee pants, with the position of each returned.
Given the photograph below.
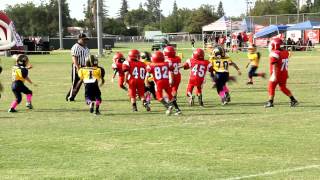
(75, 87)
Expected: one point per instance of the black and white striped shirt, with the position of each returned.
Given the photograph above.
(81, 52)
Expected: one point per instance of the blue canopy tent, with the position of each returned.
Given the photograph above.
(271, 31)
(305, 26)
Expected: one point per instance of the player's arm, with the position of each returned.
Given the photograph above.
(103, 73)
(274, 75)
(236, 67)
(186, 65)
(125, 69)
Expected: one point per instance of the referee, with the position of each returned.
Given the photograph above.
(79, 53)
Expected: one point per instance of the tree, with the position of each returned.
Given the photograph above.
(42, 20)
(202, 16)
(220, 11)
(153, 7)
(124, 9)
(137, 18)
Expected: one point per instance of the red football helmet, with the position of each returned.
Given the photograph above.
(157, 57)
(170, 52)
(198, 54)
(134, 55)
(118, 57)
(275, 44)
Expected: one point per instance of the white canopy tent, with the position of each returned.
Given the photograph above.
(222, 25)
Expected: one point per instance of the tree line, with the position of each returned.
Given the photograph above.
(42, 20)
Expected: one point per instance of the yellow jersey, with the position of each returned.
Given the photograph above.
(90, 74)
(254, 59)
(221, 65)
(19, 73)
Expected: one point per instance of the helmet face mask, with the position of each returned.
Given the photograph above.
(158, 57)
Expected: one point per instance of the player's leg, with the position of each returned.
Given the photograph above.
(28, 93)
(271, 90)
(286, 91)
(199, 94)
(141, 93)
(172, 100)
(250, 75)
(98, 100)
(175, 86)
(89, 96)
(121, 82)
(17, 101)
(189, 93)
(132, 94)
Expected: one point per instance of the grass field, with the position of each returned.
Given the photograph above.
(60, 140)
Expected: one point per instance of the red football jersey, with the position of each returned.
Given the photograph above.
(160, 71)
(118, 66)
(198, 68)
(281, 59)
(175, 62)
(136, 69)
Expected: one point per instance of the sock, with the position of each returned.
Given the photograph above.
(221, 94)
(164, 103)
(29, 98)
(98, 102)
(292, 98)
(226, 89)
(175, 104)
(14, 104)
(148, 97)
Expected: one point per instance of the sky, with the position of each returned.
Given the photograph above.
(231, 7)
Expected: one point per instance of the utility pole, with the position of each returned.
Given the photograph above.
(298, 11)
(248, 3)
(99, 27)
(60, 25)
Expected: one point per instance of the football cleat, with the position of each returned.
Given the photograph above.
(269, 105)
(228, 97)
(29, 106)
(97, 113)
(294, 103)
(177, 113)
(146, 105)
(249, 83)
(11, 110)
(169, 111)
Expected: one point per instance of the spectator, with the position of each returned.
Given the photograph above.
(193, 42)
(228, 42)
(240, 41)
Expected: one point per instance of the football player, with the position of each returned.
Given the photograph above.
(20, 74)
(160, 71)
(90, 75)
(118, 60)
(254, 58)
(150, 89)
(135, 73)
(199, 67)
(221, 64)
(175, 61)
(279, 59)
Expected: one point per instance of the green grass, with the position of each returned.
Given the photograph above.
(59, 140)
